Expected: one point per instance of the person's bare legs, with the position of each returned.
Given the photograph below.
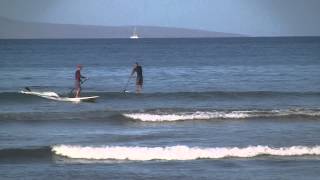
(138, 89)
(78, 92)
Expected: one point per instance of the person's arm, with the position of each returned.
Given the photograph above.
(82, 77)
(133, 71)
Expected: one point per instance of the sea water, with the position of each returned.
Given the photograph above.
(220, 108)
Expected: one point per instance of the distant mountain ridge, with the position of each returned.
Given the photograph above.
(14, 29)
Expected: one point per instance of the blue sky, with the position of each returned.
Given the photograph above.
(250, 17)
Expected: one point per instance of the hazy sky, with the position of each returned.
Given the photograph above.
(251, 17)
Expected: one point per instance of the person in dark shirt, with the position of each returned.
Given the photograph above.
(78, 80)
(139, 79)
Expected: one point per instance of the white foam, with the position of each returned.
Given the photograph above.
(297, 112)
(187, 116)
(203, 115)
(177, 152)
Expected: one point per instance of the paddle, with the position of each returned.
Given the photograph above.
(125, 87)
(71, 92)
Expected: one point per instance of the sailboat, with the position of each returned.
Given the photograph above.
(135, 34)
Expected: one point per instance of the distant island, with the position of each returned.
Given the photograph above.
(14, 29)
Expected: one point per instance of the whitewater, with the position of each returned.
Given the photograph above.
(178, 152)
(226, 114)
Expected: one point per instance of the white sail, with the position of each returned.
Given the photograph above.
(135, 34)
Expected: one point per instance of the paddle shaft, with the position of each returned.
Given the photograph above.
(125, 87)
(80, 83)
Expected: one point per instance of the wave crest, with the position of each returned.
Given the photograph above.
(199, 115)
(186, 116)
(177, 152)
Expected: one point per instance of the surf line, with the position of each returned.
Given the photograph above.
(177, 152)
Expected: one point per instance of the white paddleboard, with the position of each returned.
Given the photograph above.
(55, 96)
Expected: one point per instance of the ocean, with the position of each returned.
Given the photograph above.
(218, 108)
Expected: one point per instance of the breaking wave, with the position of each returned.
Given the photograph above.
(185, 116)
(206, 115)
(177, 152)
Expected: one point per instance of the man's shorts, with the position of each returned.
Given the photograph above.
(139, 81)
(77, 85)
